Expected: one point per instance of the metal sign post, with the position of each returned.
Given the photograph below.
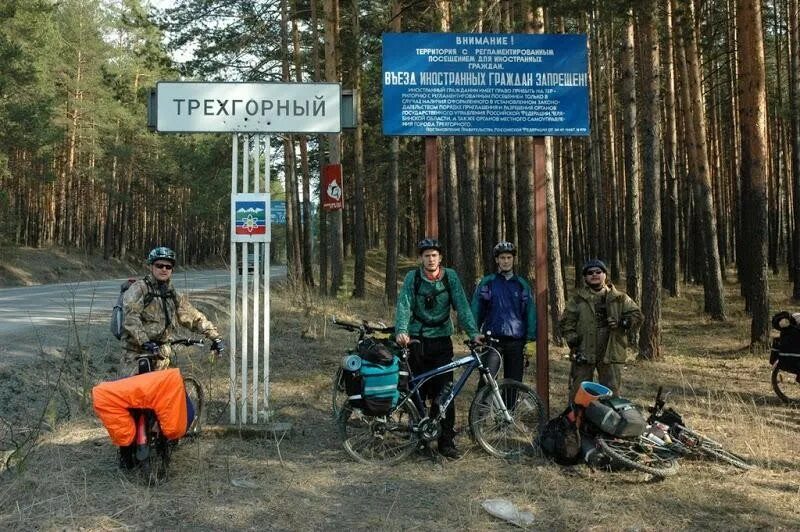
(250, 111)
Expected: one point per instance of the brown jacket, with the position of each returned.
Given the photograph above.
(580, 328)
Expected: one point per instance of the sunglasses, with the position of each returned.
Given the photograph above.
(162, 266)
(594, 272)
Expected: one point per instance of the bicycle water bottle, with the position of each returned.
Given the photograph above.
(351, 363)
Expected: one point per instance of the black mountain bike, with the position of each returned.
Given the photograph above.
(686, 441)
(505, 417)
(151, 451)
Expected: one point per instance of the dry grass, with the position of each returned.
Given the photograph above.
(308, 482)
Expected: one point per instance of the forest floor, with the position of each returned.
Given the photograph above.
(69, 480)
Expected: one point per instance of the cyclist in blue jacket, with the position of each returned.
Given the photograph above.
(503, 304)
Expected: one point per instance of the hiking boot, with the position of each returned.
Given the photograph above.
(449, 451)
(424, 449)
(125, 457)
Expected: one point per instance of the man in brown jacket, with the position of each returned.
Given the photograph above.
(595, 325)
(153, 310)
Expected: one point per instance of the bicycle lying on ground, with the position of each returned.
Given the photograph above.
(686, 441)
(151, 451)
(613, 435)
(365, 330)
(505, 416)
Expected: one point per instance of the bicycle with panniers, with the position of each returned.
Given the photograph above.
(152, 450)
(370, 335)
(784, 357)
(607, 432)
(385, 419)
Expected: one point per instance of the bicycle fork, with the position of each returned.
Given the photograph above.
(499, 403)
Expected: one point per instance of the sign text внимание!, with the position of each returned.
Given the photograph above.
(485, 84)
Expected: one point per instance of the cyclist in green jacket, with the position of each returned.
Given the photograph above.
(423, 313)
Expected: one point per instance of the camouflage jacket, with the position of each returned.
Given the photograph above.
(157, 321)
(589, 333)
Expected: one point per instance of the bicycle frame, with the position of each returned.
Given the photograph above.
(471, 362)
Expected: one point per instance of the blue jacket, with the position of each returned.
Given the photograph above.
(505, 307)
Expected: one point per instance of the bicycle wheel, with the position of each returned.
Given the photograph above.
(338, 393)
(197, 396)
(711, 449)
(500, 437)
(640, 455)
(786, 386)
(383, 440)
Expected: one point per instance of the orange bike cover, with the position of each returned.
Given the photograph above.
(160, 391)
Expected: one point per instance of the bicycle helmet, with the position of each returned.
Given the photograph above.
(428, 243)
(504, 247)
(161, 253)
(594, 263)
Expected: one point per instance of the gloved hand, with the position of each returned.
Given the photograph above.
(151, 347)
(579, 357)
(218, 345)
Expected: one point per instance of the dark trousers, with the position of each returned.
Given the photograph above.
(436, 352)
(513, 359)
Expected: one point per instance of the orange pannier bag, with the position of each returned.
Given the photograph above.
(160, 391)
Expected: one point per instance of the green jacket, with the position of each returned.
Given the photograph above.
(412, 312)
(580, 329)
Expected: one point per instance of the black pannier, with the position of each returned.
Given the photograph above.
(616, 416)
(785, 350)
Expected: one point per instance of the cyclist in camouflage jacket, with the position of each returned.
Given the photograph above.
(596, 324)
(153, 310)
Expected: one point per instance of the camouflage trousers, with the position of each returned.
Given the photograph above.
(609, 375)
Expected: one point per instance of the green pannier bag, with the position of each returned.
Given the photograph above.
(379, 393)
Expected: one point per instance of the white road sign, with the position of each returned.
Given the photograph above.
(200, 107)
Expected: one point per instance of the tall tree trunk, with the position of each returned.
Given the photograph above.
(554, 279)
(753, 122)
(714, 302)
(359, 232)
(469, 202)
(308, 273)
(794, 28)
(672, 218)
(631, 158)
(393, 193)
(650, 332)
(293, 248)
(487, 197)
(334, 218)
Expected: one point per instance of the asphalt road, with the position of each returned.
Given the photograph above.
(36, 318)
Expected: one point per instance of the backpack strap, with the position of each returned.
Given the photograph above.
(417, 285)
(152, 293)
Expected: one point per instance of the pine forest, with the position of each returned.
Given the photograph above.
(691, 173)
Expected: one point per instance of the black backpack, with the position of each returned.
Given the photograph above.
(560, 439)
(118, 312)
